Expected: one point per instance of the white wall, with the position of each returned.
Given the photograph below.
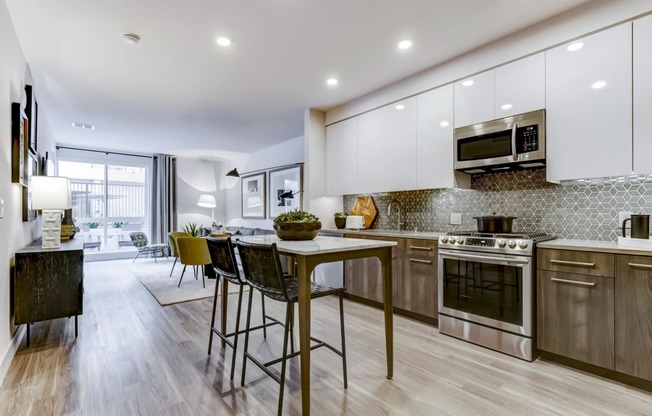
(589, 18)
(286, 153)
(194, 178)
(15, 233)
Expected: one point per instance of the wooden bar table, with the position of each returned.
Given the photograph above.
(311, 253)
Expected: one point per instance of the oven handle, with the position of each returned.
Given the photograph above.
(504, 260)
(515, 156)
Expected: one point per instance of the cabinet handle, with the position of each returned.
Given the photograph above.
(420, 248)
(421, 261)
(573, 263)
(573, 282)
(643, 266)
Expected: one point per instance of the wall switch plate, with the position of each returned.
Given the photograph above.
(456, 218)
(622, 216)
(2, 208)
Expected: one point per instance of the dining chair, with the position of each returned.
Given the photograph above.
(193, 251)
(174, 247)
(262, 269)
(223, 258)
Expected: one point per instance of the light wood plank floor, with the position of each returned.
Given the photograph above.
(134, 357)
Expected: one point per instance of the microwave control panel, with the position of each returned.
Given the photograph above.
(527, 139)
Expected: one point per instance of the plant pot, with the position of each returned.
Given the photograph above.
(297, 230)
(340, 222)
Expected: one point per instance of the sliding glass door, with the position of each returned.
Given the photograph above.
(110, 200)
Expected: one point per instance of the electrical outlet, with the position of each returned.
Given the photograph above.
(622, 216)
(456, 218)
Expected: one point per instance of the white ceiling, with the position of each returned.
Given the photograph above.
(176, 91)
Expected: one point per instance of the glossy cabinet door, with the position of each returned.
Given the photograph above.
(370, 152)
(520, 86)
(634, 316)
(342, 158)
(474, 103)
(643, 95)
(400, 145)
(435, 139)
(589, 129)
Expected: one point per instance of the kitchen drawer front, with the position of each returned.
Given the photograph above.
(575, 316)
(578, 262)
(421, 249)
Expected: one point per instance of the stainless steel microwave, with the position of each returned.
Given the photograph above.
(511, 143)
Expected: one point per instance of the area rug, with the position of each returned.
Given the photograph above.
(155, 276)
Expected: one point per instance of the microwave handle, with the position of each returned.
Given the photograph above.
(515, 155)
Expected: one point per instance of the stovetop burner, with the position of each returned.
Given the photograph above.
(523, 235)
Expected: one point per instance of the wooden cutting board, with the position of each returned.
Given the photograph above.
(365, 206)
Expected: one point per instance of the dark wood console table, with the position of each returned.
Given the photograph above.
(49, 284)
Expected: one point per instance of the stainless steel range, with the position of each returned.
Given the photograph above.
(486, 289)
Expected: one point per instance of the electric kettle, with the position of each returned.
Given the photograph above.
(640, 226)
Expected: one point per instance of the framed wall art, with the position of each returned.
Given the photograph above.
(253, 195)
(31, 111)
(285, 186)
(18, 146)
(32, 170)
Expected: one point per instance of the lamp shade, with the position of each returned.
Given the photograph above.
(233, 173)
(50, 193)
(207, 201)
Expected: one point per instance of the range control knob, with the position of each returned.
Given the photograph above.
(522, 244)
(511, 243)
(444, 239)
(452, 240)
(500, 243)
(460, 240)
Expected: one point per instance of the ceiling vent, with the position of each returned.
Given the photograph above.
(83, 126)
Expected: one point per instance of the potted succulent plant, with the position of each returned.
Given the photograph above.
(296, 225)
(192, 229)
(340, 219)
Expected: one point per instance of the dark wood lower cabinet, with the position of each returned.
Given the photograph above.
(576, 316)
(49, 284)
(414, 267)
(634, 316)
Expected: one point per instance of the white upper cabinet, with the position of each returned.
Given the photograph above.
(520, 86)
(400, 145)
(474, 99)
(589, 106)
(370, 152)
(342, 158)
(643, 95)
(435, 139)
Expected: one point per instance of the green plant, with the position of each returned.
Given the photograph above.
(119, 224)
(192, 229)
(341, 214)
(92, 224)
(296, 216)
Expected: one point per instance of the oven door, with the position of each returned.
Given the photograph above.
(494, 290)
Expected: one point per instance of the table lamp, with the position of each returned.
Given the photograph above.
(208, 201)
(51, 194)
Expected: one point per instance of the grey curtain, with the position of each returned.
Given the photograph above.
(164, 197)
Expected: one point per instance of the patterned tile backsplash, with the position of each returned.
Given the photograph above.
(583, 209)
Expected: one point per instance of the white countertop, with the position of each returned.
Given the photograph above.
(593, 245)
(424, 235)
(319, 245)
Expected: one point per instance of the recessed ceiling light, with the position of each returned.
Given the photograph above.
(130, 38)
(598, 84)
(575, 46)
(332, 81)
(507, 106)
(83, 126)
(400, 107)
(467, 83)
(224, 41)
(444, 123)
(405, 44)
